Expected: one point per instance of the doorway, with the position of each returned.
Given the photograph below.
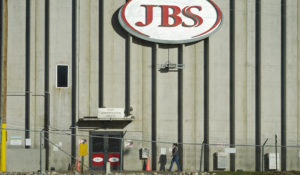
(105, 147)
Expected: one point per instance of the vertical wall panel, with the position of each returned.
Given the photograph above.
(60, 48)
(16, 67)
(298, 116)
(32, 72)
(192, 112)
(85, 58)
(146, 101)
(291, 84)
(244, 154)
(114, 57)
(39, 46)
(219, 83)
(298, 78)
(167, 99)
(93, 49)
(135, 129)
(88, 57)
(199, 100)
(189, 75)
(270, 71)
(249, 119)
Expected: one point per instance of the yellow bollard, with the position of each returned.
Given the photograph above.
(3, 149)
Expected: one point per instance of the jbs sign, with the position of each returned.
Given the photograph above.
(170, 21)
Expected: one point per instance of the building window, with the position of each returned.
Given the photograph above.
(62, 76)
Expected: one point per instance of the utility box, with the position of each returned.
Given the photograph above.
(270, 161)
(220, 161)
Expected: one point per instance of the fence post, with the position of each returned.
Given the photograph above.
(121, 157)
(121, 154)
(276, 151)
(201, 154)
(263, 158)
(41, 136)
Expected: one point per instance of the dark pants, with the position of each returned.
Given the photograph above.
(176, 159)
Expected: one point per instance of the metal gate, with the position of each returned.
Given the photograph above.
(105, 147)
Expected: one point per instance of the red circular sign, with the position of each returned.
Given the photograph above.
(170, 21)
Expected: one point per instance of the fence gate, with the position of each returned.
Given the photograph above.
(105, 147)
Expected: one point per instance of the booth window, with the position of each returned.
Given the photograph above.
(62, 76)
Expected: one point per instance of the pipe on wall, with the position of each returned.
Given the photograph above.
(47, 93)
(283, 85)
(100, 86)
(180, 106)
(232, 82)
(154, 106)
(258, 85)
(74, 81)
(206, 105)
(27, 73)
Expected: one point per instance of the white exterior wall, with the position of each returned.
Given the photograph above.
(114, 47)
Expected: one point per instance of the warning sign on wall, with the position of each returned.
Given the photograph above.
(83, 147)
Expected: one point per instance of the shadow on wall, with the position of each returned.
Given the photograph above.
(126, 152)
(121, 32)
(116, 25)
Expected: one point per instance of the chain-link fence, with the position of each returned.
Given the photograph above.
(132, 153)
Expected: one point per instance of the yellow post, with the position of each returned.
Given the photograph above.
(4, 86)
(3, 149)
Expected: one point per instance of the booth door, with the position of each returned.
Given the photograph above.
(97, 151)
(104, 148)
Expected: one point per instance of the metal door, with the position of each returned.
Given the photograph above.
(105, 147)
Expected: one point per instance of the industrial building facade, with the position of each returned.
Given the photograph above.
(235, 88)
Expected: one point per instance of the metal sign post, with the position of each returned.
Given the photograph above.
(82, 151)
(4, 86)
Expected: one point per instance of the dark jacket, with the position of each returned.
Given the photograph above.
(175, 151)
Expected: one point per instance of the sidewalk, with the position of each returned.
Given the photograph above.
(155, 173)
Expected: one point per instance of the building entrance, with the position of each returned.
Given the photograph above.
(105, 147)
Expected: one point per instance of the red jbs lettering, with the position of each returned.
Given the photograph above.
(166, 15)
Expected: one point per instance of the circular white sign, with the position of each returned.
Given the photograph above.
(113, 159)
(98, 159)
(170, 21)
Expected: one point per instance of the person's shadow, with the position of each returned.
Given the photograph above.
(163, 162)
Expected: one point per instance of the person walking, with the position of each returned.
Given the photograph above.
(175, 157)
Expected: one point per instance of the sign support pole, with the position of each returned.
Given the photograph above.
(82, 163)
(4, 88)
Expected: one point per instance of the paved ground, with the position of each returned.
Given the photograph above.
(157, 173)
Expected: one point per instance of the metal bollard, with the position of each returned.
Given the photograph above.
(107, 171)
